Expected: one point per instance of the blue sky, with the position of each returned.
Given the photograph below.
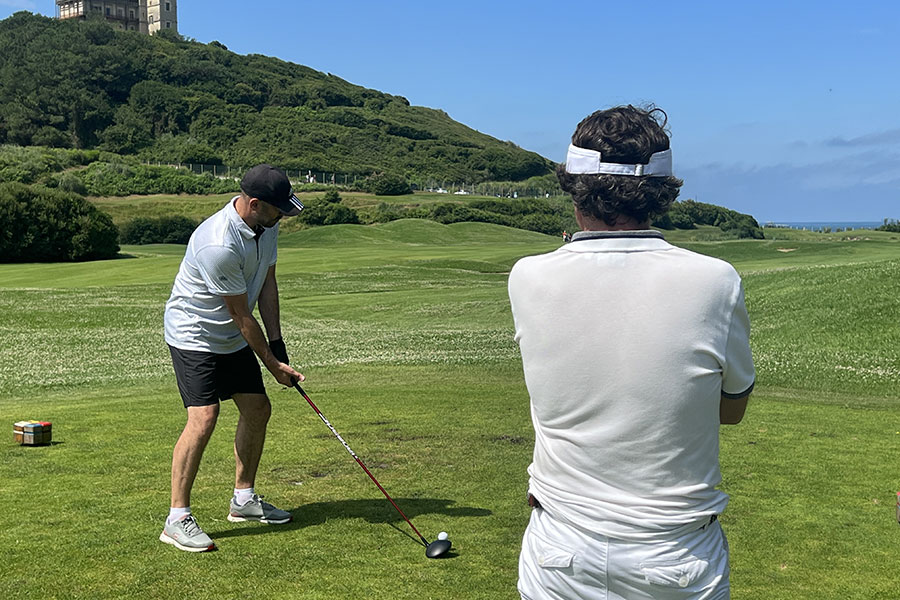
(784, 110)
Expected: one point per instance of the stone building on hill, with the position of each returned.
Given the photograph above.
(145, 16)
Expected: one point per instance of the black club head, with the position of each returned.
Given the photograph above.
(437, 548)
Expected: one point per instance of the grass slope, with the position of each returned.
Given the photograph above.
(405, 335)
(123, 209)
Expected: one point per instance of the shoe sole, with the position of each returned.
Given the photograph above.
(240, 519)
(168, 540)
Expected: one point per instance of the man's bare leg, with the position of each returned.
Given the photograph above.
(189, 449)
(250, 437)
(248, 446)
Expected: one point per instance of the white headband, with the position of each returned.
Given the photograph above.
(581, 161)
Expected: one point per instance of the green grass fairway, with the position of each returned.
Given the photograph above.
(405, 335)
(124, 208)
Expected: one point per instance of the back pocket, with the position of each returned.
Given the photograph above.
(676, 574)
(548, 556)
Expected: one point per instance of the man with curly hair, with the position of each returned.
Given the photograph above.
(634, 352)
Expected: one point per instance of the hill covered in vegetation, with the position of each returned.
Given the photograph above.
(79, 84)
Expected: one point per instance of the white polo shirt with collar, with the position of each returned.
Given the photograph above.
(628, 344)
(224, 257)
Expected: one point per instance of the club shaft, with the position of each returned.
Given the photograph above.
(358, 461)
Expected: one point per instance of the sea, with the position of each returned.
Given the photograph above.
(822, 225)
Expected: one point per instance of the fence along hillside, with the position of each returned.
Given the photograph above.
(355, 180)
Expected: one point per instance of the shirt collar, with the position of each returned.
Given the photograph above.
(246, 232)
(622, 241)
(628, 233)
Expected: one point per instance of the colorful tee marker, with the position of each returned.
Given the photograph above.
(33, 433)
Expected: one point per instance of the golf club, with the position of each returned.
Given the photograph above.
(434, 549)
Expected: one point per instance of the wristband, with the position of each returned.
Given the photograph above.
(279, 350)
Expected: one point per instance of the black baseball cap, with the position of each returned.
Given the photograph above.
(271, 185)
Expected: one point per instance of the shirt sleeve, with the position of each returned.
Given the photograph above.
(739, 374)
(514, 287)
(220, 269)
(275, 245)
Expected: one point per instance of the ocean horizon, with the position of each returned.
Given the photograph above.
(820, 225)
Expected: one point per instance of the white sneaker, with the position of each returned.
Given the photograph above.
(185, 534)
(257, 510)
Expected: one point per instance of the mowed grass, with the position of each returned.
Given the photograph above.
(405, 335)
(197, 207)
(125, 208)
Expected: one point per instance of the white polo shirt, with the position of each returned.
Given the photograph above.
(224, 257)
(627, 345)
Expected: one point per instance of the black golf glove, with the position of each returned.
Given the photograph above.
(278, 350)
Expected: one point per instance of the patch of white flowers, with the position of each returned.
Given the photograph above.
(95, 336)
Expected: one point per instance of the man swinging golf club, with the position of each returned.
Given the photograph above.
(634, 353)
(214, 340)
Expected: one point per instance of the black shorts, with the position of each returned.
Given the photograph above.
(205, 378)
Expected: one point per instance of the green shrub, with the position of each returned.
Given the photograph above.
(550, 217)
(50, 136)
(312, 187)
(26, 165)
(46, 225)
(182, 149)
(687, 214)
(33, 164)
(535, 214)
(332, 196)
(889, 225)
(385, 213)
(176, 229)
(121, 179)
(387, 184)
(681, 220)
(328, 210)
(65, 181)
(542, 223)
(744, 226)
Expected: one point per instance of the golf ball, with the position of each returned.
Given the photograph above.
(442, 535)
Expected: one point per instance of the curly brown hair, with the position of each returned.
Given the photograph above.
(626, 135)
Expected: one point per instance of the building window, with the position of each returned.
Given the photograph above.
(168, 24)
(151, 19)
(131, 14)
(168, 6)
(107, 11)
(71, 9)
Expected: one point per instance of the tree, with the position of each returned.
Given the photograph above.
(46, 225)
(175, 229)
(388, 184)
(328, 210)
(161, 106)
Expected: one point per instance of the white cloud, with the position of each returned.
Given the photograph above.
(889, 137)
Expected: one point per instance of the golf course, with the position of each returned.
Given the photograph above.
(404, 333)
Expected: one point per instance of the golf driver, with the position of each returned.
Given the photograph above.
(435, 549)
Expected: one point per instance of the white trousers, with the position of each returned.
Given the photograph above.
(562, 562)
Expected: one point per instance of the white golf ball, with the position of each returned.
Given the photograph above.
(442, 535)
